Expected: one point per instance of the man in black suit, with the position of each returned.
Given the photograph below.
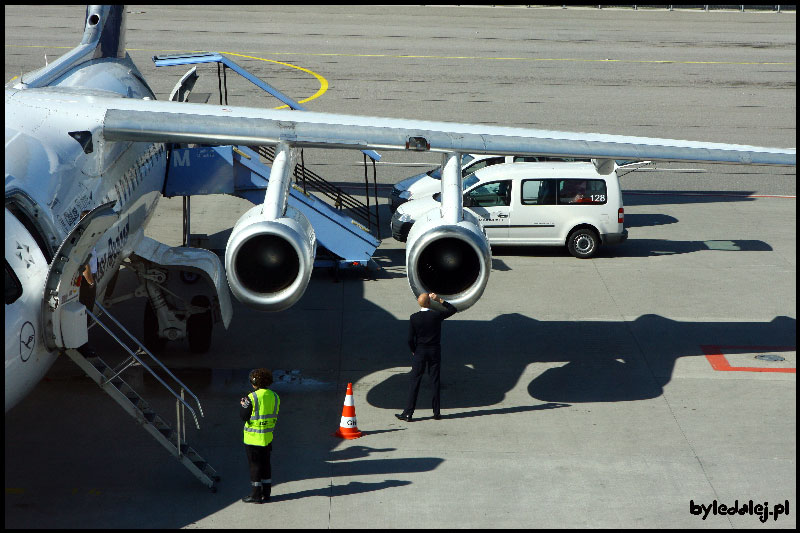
(424, 339)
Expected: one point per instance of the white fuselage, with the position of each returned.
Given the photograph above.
(50, 180)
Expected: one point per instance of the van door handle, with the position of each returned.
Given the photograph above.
(502, 215)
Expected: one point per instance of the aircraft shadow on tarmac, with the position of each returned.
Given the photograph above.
(599, 361)
(573, 361)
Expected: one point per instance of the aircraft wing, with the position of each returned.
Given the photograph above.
(140, 120)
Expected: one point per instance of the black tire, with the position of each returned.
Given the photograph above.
(152, 341)
(583, 243)
(199, 327)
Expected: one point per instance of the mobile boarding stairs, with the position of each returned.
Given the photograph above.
(244, 171)
(110, 380)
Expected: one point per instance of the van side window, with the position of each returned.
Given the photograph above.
(490, 194)
(581, 191)
(481, 164)
(538, 192)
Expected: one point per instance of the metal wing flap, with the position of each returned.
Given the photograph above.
(170, 122)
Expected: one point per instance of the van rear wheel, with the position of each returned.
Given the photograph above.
(583, 243)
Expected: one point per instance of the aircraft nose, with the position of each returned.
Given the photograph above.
(25, 275)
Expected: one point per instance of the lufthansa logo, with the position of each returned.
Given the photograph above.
(27, 340)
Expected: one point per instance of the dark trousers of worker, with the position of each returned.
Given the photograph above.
(258, 458)
(422, 358)
(87, 294)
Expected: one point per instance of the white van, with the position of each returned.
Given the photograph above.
(544, 204)
(429, 183)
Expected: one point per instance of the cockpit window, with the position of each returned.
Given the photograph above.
(13, 286)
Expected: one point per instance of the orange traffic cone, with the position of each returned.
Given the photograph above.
(348, 427)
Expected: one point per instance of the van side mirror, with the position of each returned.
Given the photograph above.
(467, 201)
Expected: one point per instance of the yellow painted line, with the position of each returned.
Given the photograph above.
(477, 58)
(472, 58)
(323, 83)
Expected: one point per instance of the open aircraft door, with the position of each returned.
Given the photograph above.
(63, 316)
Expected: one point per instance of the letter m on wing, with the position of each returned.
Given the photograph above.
(180, 158)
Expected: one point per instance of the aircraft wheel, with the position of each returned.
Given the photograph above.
(198, 327)
(152, 341)
(583, 243)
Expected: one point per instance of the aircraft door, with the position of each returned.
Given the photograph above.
(61, 310)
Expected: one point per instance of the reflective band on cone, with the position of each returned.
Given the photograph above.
(348, 427)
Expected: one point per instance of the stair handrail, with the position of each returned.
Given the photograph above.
(146, 366)
(340, 198)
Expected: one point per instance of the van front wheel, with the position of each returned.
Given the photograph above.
(583, 243)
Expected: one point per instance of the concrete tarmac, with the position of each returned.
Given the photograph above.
(619, 391)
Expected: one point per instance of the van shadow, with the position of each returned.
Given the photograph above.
(632, 248)
(633, 198)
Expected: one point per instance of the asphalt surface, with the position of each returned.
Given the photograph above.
(619, 391)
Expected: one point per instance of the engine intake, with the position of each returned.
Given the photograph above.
(269, 262)
(452, 260)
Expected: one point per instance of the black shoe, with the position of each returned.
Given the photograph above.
(437, 417)
(256, 496)
(403, 416)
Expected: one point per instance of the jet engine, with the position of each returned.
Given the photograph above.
(451, 258)
(269, 262)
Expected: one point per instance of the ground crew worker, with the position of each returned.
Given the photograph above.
(424, 339)
(260, 414)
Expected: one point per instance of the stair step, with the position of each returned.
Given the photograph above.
(137, 407)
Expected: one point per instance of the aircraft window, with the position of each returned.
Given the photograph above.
(490, 194)
(13, 286)
(585, 192)
(538, 192)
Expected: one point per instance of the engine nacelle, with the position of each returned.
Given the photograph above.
(269, 262)
(452, 260)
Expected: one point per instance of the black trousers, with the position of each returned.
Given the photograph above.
(87, 294)
(259, 459)
(422, 358)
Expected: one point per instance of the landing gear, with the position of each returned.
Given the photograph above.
(152, 340)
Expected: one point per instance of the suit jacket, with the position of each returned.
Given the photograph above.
(425, 328)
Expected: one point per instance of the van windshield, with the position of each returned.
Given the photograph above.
(436, 173)
(469, 181)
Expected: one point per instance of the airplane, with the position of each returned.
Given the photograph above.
(85, 133)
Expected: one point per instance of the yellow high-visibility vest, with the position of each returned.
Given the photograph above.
(263, 417)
